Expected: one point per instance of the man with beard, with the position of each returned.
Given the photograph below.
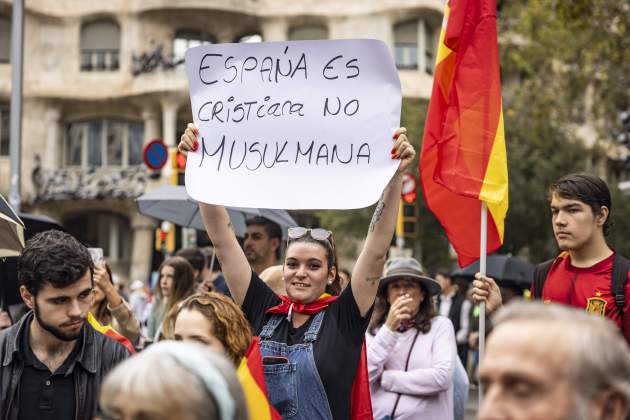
(588, 274)
(262, 243)
(53, 362)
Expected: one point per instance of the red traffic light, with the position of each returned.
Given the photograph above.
(180, 160)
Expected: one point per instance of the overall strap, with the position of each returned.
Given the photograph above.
(313, 329)
(621, 266)
(540, 275)
(271, 326)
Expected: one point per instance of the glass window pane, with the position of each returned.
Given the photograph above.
(74, 143)
(5, 39)
(5, 122)
(100, 35)
(95, 143)
(406, 45)
(115, 131)
(308, 32)
(135, 142)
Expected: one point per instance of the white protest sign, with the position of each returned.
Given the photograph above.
(292, 125)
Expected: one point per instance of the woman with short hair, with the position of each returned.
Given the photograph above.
(211, 319)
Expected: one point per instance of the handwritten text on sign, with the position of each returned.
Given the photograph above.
(295, 125)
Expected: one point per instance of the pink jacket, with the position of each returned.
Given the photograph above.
(427, 386)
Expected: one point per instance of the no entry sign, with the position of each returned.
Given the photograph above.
(409, 186)
(155, 154)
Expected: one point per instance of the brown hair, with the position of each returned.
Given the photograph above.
(331, 259)
(183, 281)
(423, 318)
(587, 188)
(103, 314)
(228, 322)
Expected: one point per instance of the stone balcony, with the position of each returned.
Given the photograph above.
(88, 183)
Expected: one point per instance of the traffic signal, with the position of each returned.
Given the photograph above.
(408, 220)
(165, 238)
(178, 162)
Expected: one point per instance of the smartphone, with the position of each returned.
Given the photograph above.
(97, 255)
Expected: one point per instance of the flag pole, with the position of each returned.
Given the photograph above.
(483, 248)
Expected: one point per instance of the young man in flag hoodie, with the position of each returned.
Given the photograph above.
(53, 362)
(587, 274)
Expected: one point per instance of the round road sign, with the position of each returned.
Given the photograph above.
(409, 185)
(155, 154)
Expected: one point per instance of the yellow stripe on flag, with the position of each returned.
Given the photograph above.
(443, 51)
(494, 190)
(257, 404)
(95, 324)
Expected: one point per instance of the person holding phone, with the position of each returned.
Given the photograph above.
(311, 342)
(109, 307)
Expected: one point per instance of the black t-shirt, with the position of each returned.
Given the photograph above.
(46, 395)
(338, 346)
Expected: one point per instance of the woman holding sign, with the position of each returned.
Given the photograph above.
(311, 342)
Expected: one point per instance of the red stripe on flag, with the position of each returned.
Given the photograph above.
(461, 126)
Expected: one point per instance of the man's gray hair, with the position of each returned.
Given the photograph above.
(599, 355)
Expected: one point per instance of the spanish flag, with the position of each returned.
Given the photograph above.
(463, 157)
(250, 374)
(110, 332)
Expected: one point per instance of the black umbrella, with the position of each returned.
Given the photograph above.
(504, 268)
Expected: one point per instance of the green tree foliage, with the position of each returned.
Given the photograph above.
(562, 65)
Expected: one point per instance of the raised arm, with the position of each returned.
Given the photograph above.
(234, 264)
(369, 267)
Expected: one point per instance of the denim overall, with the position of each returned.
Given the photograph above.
(294, 388)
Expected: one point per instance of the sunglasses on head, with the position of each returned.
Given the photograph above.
(318, 234)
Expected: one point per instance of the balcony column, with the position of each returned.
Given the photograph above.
(142, 247)
(51, 156)
(169, 122)
(151, 121)
(422, 46)
(275, 29)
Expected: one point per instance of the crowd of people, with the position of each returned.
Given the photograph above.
(385, 341)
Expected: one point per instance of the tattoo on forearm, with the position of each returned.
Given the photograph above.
(372, 280)
(378, 213)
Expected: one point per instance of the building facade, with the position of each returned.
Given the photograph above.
(101, 79)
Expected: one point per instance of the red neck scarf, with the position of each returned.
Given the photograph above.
(288, 306)
(360, 400)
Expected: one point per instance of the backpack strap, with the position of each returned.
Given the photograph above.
(540, 275)
(621, 266)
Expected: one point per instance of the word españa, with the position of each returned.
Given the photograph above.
(272, 70)
(256, 154)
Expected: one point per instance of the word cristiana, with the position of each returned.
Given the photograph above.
(271, 69)
(253, 155)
